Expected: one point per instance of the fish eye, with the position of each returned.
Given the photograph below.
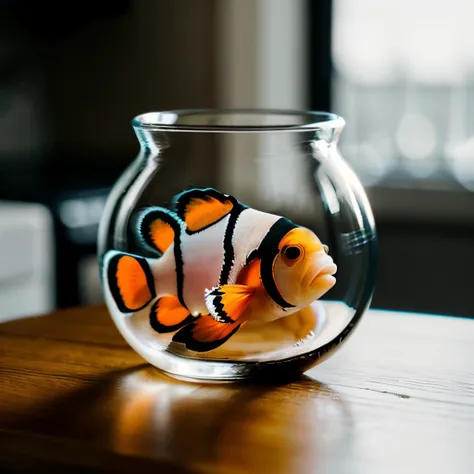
(326, 249)
(292, 252)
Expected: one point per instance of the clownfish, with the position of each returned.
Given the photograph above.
(219, 265)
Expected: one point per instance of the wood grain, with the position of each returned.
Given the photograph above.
(397, 397)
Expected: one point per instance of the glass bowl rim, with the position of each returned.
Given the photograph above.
(165, 120)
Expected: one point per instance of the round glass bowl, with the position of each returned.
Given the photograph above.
(237, 244)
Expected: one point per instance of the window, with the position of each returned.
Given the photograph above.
(403, 80)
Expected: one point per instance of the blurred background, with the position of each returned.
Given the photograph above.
(74, 74)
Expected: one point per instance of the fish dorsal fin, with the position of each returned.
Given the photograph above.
(201, 208)
(205, 334)
(130, 281)
(168, 315)
(158, 228)
(227, 303)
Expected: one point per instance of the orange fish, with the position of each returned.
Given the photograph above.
(218, 265)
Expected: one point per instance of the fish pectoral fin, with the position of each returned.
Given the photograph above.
(227, 303)
(130, 281)
(168, 315)
(250, 274)
(158, 227)
(205, 333)
(201, 208)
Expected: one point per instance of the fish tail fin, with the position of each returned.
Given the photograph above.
(130, 280)
(205, 333)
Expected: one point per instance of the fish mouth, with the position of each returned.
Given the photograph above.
(327, 270)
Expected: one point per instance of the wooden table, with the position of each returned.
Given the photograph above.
(397, 398)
